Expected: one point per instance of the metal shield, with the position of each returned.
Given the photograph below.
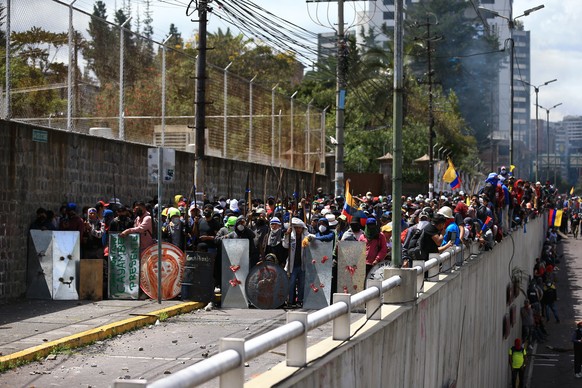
(267, 285)
(53, 265)
(235, 269)
(198, 280)
(377, 271)
(351, 266)
(124, 271)
(173, 262)
(318, 263)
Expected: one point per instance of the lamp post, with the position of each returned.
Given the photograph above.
(537, 91)
(511, 24)
(548, 136)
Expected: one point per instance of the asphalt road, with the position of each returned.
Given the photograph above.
(155, 351)
(553, 361)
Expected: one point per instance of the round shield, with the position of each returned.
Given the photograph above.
(267, 285)
(173, 262)
(377, 271)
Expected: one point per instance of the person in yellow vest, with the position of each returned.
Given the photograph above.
(517, 355)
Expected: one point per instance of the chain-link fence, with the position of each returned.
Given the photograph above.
(68, 69)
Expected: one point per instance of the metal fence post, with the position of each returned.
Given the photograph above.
(323, 142)
(308, 128)
(341, 325)
(70, 72)
(280, 118)
(251, 118)
(297, 347)
(374, 307)
(235, 377)
(273, 124)
(121, 85)
(225, 110)
(292, 123)
(164, 91)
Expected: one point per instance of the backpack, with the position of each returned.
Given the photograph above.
(414, 246)
(154, 231)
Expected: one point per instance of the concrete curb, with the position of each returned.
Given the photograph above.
(97, 334)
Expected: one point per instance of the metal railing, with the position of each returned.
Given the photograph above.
(229, 363)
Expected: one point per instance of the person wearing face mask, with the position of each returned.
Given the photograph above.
(122, 221)
(261, 229)
(376, 248)
(324, 232)
(42, 222)
(205, 231)
(355, 230)
(142, 225)
(273, 243)
(174, 231)
(242, 231)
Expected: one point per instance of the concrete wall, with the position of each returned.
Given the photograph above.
(84, 169)
(452, 333)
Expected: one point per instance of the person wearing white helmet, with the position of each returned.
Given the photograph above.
(452, 231)
(295, 267)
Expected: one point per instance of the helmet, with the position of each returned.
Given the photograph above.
(446, 211)
(173, 212)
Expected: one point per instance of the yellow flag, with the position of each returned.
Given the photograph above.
(511, 168)
(572, 191)
(450, 174)
(558, 221)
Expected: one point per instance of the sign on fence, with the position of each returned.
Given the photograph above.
(123, 267)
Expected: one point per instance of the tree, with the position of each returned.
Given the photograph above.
(101, 42)
(465, 61)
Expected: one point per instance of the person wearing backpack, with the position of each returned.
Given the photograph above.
(412, 236)
(376, 248)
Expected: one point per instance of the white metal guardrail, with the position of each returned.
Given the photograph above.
(229, 363)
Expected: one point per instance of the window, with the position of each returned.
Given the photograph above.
(388, 16)
(388, 2)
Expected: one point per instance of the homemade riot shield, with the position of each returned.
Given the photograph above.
(235, 269)
(377, 271)
(267, 285)
(123, 280)
(318, 263)
(53, 265)
(173, 262)
(351, 266)
(198, 281)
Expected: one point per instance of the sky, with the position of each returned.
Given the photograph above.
(555, 30)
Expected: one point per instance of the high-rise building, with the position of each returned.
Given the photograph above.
(381, 12)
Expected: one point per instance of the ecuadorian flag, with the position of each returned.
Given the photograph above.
(350, 204)
(451, 177)
(555, 218)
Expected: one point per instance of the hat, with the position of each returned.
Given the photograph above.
(371, 221)
(446, 211)
(369, 194)
(297, 222)
(275, 220)
(72, 206)
(324, 220)
(517, 343)
(387, 227)
(342, 217)
(233, 205)
(92, 210)
(331, 219)
(260, 211)
(107, 213)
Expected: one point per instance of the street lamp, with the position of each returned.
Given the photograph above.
(511, 25)
(537, 90)
(548, 135)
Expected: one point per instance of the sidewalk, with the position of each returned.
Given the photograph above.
(32, 329)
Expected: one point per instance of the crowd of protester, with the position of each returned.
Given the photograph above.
(279, 229)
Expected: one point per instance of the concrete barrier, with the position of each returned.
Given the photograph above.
(451, 334)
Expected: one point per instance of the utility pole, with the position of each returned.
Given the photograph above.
(340, 99)
(200, 100)
(430, 73)
(397, 132)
